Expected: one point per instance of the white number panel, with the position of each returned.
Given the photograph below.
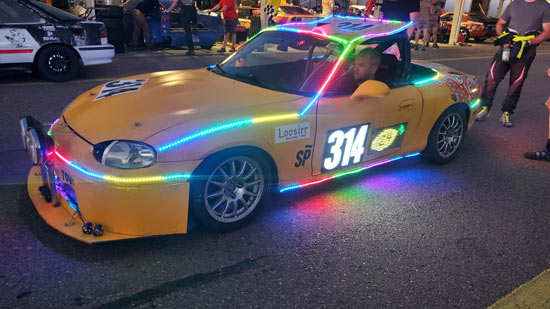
(344, 147)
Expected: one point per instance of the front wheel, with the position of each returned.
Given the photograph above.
(229, 190)
(446, 136)
(58, 63)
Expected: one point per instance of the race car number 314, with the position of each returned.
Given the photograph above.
(344, 147)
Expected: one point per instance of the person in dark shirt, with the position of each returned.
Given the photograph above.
(528, 23)
(404, 10)
(142, 10)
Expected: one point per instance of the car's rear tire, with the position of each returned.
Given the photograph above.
(228, 189)
(446, 136)
(58, 63)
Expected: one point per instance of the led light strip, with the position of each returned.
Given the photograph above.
(475, 103)
(123, 179)
(349, 172)
(429, 80)
(50, 129)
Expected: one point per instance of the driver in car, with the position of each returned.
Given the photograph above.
(366, 64)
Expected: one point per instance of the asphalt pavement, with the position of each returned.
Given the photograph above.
(408, 234)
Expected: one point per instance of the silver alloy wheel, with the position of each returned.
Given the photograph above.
(450, 135)
(234, 189)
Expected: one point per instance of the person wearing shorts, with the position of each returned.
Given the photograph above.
(227, 8)
(423, 24)
(435, 12)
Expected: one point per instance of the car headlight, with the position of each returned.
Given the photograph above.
(125, 154)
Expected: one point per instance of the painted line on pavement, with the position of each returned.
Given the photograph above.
(533, 294)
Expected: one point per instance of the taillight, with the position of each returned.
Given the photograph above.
(102, 34)
(165, 19)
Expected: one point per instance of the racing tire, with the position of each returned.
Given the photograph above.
(58, 63)
(109, 11)
(113, 24)
(446, 136)
(466, 34)
(229, 189)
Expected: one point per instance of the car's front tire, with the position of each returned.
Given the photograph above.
(58, 63)
(229, 189)
(446, 136)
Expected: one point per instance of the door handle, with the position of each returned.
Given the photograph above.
(405, 105)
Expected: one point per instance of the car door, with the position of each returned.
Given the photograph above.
(351, 132)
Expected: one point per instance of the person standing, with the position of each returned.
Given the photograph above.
(142, 10)
(423, 24)
(189, 21)
(544, 154)
(227, 8)
(435, 12)
(404, 10)
(528, 25)
(128, 9)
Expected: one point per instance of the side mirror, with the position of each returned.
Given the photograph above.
(370, 89)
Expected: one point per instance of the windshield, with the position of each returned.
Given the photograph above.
(57, 13)
(283, 61)
(293, 10)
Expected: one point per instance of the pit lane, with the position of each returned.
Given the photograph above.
(408, 234)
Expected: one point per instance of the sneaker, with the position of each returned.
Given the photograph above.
(221, 50)
(483, 114)
(423, 48)
(190, 53)
(435, 45)
(505, 119)
(232, 50)
(539, 155)
(416, 47)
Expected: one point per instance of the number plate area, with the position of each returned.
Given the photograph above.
(344, 147)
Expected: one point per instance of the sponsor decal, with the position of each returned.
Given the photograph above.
(302, 156)
(120, 87)
(292, 132)
(344, 146)
(16, 38)
(67, 178)
(387, 138)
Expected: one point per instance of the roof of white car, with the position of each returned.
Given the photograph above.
(348, 28)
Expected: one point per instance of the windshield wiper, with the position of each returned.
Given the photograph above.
(254, 79)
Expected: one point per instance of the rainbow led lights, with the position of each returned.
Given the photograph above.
(321, 90)
(50, 129)
(123, 179)
(349, 172)
(475, 103)
(429, 80)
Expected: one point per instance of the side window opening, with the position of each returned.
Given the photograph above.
(13, 12)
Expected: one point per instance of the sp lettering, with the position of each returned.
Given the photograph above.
(302, 156)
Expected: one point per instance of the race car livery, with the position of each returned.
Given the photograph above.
(55, 43)
(137, 156)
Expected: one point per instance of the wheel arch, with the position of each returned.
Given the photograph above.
(41, 50)
(465, 108)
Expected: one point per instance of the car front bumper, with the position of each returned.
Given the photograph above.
(66, 198)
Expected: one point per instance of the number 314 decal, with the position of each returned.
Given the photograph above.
(344, 147)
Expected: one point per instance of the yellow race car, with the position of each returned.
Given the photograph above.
(134, 157)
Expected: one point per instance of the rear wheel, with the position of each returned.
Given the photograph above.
(446, 136)
(58, 63)
(229, 189)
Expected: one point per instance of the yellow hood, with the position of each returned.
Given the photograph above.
(150, 103)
